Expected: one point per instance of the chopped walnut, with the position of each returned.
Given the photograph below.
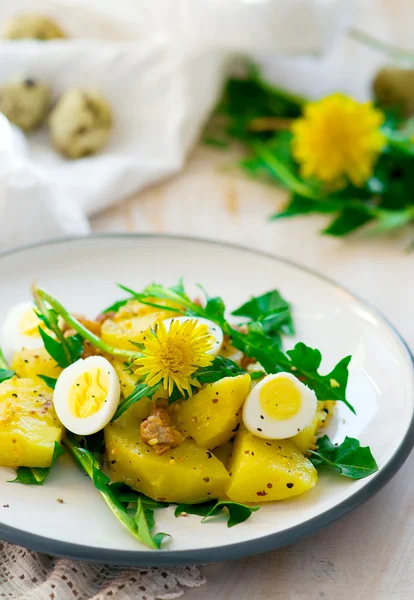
(93, 326)
(246, 361)
(157, 431)
(90, 350)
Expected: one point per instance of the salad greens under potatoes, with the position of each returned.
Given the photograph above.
(163, 399)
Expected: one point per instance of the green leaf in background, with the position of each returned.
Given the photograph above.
(349, 458)
(261, 117)
(237, 513)
(271, 310)
(349, 220)
(6, 374)
(216, 142)
(250, 98)
(50, 381)
(37, 476)
(298, 205)
(392, 219)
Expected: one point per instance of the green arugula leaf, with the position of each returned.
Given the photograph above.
(215, 309)
(55, 349)
(94, 443)
(75, 343)
(141, 391)
(238, 513)
(145, 522)
(37, 476)
(256, 375)
(202, 509)
(6, 374)
(127, 495)
(219, 368)
(349, 458)
(306, 362)
(50, 381)
(140, 525)
(271, 310)
(256, 344)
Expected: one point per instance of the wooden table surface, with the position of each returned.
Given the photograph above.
(369, 554)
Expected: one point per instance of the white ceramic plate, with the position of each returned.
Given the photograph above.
(83, 273)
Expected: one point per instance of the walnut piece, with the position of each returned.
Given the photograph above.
(157, 431)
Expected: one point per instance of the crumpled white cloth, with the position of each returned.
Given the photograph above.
(27, 575)
(162, 64)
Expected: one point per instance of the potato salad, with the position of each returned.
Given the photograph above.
(164, 399)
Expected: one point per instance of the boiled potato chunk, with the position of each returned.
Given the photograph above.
(127, 379)
(266, 470)
(29, 426)
(304, 440)
(223, 453)
(212, 414)
(121, 334)
(187, 474)
(130, 323)
(31, 363)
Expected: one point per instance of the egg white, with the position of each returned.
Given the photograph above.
(214, 330)
(261, 425)
(12, 339)
(98, 420)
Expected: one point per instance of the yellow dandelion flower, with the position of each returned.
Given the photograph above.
(173, 356)
(338, 138)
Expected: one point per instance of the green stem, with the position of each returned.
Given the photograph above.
(51, 322)
(82, 330)
(283, 173)
(3, 361)
(383, 47)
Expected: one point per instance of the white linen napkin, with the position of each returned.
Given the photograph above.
(162, 65)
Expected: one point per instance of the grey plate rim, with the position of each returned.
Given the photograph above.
(273, 541)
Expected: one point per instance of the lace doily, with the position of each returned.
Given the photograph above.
(27, 575)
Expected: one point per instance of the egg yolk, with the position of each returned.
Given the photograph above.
(88, 393)
(280, 399)
(29, 324)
